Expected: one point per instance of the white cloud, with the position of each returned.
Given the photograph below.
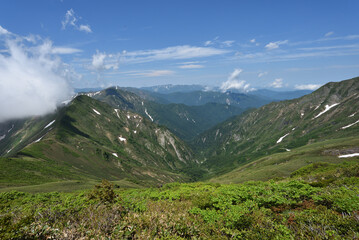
(71, 19)
(33, 80)
(228, 43)
(253, 40)
(65, 50)
(99, 62)
(233, 82)
(207, 43)
(85, 28)
(261, 74)
(191, 66)
(154, 73)
(275, 45)
(328, 34)
(176, 52)
(307, 86)
(3, 31)
(277, 83)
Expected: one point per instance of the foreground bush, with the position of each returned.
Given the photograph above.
(254, 210)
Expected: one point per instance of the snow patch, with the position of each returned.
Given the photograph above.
(281, 138)
(38, 140)
(116, 110)
(128, 116)
(350, 125)
(135, 132)
(352, 115)
(293, 129)
(349, 155)
(301, 114)
(9, 150)
(122, 139)
(115, 154)
(2, 137)
(327, 108)
(97, 112)
(288, 150)
(48, 125)
(148, 114)
(10, 128)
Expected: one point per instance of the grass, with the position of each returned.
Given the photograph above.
(283, 164)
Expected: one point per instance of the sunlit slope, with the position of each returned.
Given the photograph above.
(280, 165)
(90, 139)
(330, 112)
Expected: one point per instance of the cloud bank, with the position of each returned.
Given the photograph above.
(32, 80)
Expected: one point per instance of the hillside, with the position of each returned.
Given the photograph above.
(89, 139)
(185, 121)
(331, 112)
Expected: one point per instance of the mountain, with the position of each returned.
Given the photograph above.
(331, 112)
(185, 121)
(89, 139)
(169, 88)
(278, 96)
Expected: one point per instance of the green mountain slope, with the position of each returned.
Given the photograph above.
(89, 139)
(331, 112)
(185, 121)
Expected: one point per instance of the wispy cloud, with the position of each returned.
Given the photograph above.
(228, 43)
(277, 83)
(328, 34)
(191, 66)
(171, 53)
(71, 19)
(65, 50)
(307, 86)
(261, 74)
(218, 42)
(153, 73)
(233, 82)
(275, 45)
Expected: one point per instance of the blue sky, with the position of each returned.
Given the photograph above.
(230, 44)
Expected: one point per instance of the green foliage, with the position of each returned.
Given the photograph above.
(286, 209)
(103, 192)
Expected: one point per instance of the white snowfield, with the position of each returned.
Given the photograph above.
(2, 137)
(350, 125)
(97, 112)
(327, 108)
(38, 140)
(349, 155)
(148, 114)
(116, 110)
(281, 138)
(115, 154)
(122, 139)
(48, 125)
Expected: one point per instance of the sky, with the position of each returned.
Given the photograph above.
(238, 44)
